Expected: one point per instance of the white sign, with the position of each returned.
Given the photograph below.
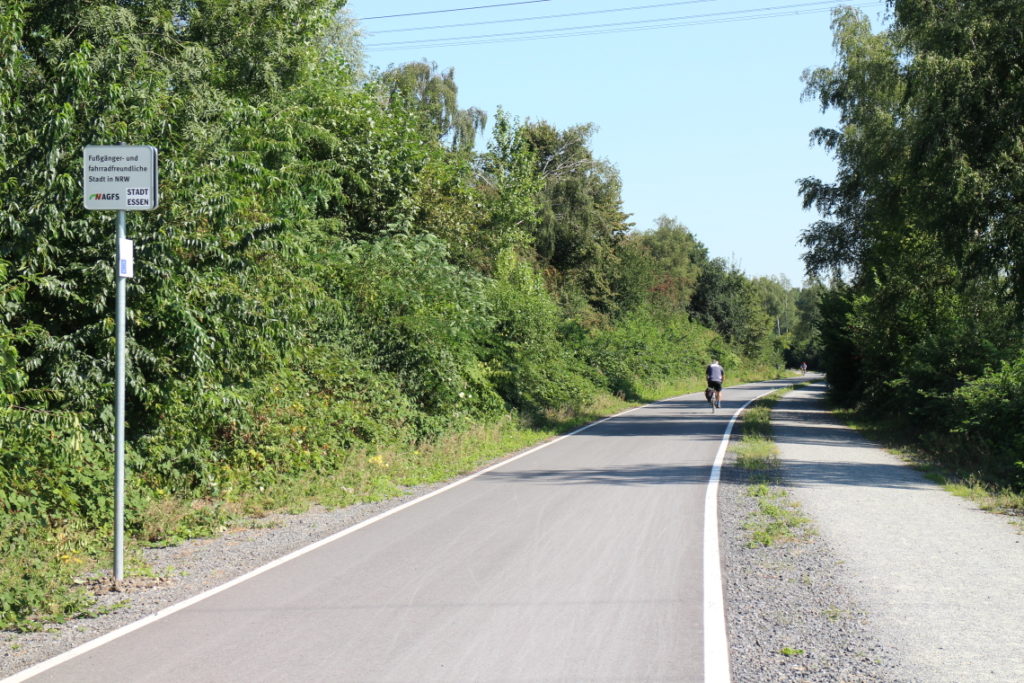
(125, 258)
(120, 177)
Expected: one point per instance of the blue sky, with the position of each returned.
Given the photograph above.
(703, 119)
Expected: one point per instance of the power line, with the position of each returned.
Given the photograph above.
(544, 16)
(621, 27)
(457, 9)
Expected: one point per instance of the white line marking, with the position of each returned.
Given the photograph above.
(167, 611)
(716, 648)
(716, 639)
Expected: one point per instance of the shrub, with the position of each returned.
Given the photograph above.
(423, 320)
(532, 367)
(990, 415)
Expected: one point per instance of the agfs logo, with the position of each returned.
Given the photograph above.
(105, 196)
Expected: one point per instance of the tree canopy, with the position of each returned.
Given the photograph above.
(924, 219)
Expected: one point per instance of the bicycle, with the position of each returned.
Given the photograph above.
(709, 395)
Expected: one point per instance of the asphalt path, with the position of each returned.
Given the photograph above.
(580, 561)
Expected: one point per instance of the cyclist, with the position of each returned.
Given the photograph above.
(716, 375)
(803, 368)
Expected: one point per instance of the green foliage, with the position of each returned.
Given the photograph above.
(645, 348)
(324, 293)
(55, 482)
(990, 412)
(425, 318)
(579, 219)
(533, 368)
(923, 219)
(966, 136)
(660, 267)
(777, 520)
(510, 186)
(841, 360)
(779, 300)
(420, 87)
(259, 46)
(806, 335)
(728, 302)
(36, 587)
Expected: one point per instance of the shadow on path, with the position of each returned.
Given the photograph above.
(817, 450)
(632, 475)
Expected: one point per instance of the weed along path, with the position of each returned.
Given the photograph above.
(942, 580)
(578, 560)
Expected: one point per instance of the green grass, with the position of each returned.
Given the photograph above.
(756, 455)
(907, 446)
(836, 614)
(777, 518)
(755, 450)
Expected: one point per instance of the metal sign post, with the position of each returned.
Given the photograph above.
(119, 410)
(121, 178)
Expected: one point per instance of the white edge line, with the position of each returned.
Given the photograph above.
(716, 648)
(716, 639)
(167, 611)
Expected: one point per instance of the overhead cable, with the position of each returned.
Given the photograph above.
(457, 9)
(620, 27)
(543, 16)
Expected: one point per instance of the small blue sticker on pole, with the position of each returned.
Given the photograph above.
(125, 258)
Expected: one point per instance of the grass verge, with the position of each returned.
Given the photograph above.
(777, 518)
(894, 437)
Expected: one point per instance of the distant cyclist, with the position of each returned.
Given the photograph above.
(803, 368)
(716, 375)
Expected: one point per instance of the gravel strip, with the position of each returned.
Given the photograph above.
(789, 596)
(789, 610)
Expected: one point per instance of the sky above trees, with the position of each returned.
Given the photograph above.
(703, 118)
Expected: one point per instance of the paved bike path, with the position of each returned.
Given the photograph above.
(942, 580)
(580, 560)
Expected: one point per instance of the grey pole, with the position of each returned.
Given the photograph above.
(119, 414)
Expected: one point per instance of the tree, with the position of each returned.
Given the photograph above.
(422, 88)
(924, 215)
(778, 298)
(509, 187)
(727, 302)
(806, 344)
(580, 218)
(344, 43)
(863, 208)
(965, 176)
(659, 267)
(259, 145)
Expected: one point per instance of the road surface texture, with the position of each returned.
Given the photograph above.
(580, 561)
(941, 580)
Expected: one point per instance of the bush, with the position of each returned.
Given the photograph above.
(989, 413)
(643, 348)
(532, 367)
(56, 485)
(423, 320)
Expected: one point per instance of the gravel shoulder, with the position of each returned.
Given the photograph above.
(792, 611)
